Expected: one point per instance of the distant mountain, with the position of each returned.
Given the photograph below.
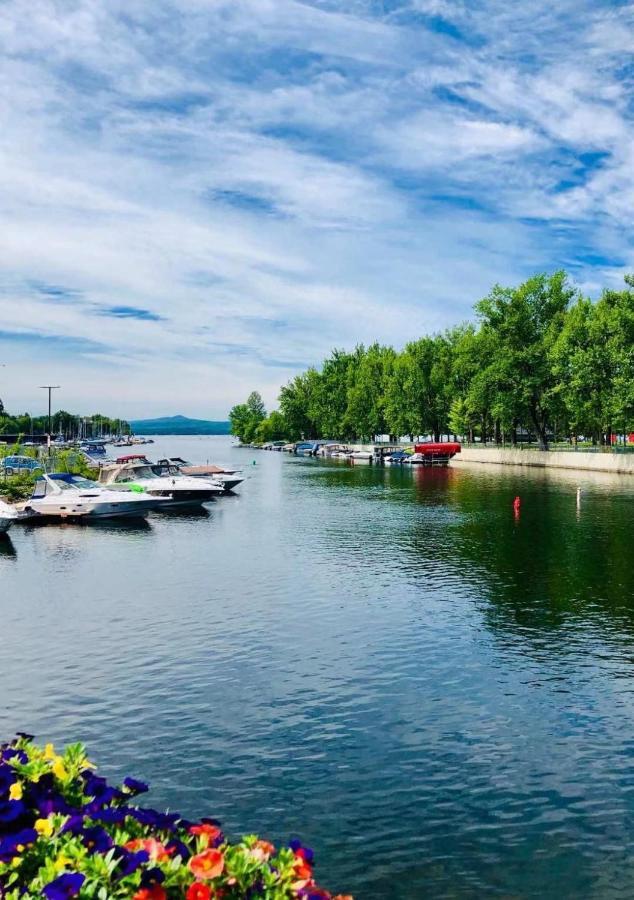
(178, 425)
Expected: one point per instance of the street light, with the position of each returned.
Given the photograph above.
(50, 388)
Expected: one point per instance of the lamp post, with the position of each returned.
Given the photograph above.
(50, 388)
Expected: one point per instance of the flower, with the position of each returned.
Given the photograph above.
(208, 833)
(155, 892)
(208, 864)
(198, 891)
(127, 862)
(13, 844)
(15, 791)
(44, 827)
(59, 769)
(132, 786)
(157, 851)
(67, 885)
(10, 810)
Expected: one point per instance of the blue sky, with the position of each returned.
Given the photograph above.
(202, 197)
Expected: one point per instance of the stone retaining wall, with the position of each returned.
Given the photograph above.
(618, 463)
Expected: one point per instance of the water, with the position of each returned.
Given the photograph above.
(437, 697)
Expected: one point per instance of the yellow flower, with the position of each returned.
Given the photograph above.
(59, 770)
(15, 862)
(15, 791)
(49, 752)
(61, 862)
(44, 827)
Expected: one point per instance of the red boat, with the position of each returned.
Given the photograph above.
(434, 453)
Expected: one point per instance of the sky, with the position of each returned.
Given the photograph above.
(199, 198)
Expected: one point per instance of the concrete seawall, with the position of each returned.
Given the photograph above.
(617, 463)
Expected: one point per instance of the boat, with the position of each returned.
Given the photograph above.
(361, 455)
(8, 515)
(228, 479)
(396, 458)
(432, 453)
(69, 496)
(136, 472)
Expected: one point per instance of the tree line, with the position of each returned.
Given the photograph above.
(62, 422)
(540, 361)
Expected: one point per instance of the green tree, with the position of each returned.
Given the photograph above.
(523, 324)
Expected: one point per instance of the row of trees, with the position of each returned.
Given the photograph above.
(540, 359)
(62, 422)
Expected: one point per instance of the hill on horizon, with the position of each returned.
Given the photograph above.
(178, 425)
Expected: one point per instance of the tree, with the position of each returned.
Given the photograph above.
(523, 324)
(246, 417)
(368, 379)
(273, 428)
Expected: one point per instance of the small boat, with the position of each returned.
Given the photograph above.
(396, 458)
(68, 496)
(137, 472)
(8, 515)
(228, 479)
(361, 455)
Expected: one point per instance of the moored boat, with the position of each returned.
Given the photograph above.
(68, 496)
(134, 472)
(228, 479)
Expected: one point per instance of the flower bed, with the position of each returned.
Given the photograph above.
(65, 832)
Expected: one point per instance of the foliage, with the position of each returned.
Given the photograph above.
(246, 417)
(62, 422)
(65, 832)
(540, 359)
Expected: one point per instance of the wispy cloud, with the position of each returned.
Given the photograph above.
(219, 191)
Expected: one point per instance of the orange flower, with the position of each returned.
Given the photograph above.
(157, 851)
(198, 891)
(302, 869)
(207, 832)
(155, 892)
(265, 847)
(208, 864)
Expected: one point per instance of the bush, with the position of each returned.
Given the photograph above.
(65, 832)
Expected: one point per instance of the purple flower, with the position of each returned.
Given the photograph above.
(12, 753)
(152, 876)
(10, 811)
(111, 815)
(9, 845)
(127, 862)
(135, 787)
(67, 885)
(7, 778)
(178, 848)
(96, 839)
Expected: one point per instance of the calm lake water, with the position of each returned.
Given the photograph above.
(438, 698)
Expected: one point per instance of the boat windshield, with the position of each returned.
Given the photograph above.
(84, 484)
(136, 472)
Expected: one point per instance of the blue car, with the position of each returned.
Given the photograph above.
(11, 465)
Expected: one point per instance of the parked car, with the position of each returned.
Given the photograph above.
(11, 465)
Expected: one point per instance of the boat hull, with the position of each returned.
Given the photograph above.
(93, 510)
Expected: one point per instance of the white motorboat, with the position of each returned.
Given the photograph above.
(8, 515)
(361, 455)
(72, 496)
(228, 479)
(137, 472)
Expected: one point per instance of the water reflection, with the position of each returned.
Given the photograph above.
(6, 547)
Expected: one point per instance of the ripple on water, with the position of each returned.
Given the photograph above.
(437, 697)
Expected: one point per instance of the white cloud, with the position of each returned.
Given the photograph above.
(274, 177)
